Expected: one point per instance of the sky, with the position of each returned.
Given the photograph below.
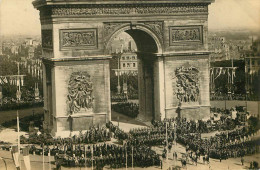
(19, 16)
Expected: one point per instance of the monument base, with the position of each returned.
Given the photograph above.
(72, 125)
(195, 112)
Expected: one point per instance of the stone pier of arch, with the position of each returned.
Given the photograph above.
(172, 41)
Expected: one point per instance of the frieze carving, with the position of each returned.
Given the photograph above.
(157, 27)
(78, 38)
(187, 84)
(110, 27)
(166, 9)
(47, 39)
(80, 92)
(187, 34)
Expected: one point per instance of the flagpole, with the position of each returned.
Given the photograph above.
(132, 157)
(125, 157)
(85, 153)
(166, 143)
(49, 156)
(175, 142)
(43, 156)
(18, 99)
(18, 130)
(92, 157)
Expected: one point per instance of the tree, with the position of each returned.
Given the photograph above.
(253, 124)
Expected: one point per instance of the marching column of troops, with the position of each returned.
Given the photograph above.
(74, 151)
(127, 108)
(100, 155)
(91, 136)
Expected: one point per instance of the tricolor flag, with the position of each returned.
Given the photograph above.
(26, 158)
(15, 155)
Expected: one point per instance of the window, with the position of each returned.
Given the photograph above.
(128, 64)
(253, 62)
(258, 62)
(123, 64)
(123, 58)
(133, 64)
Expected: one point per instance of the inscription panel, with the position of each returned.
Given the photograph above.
(78, 39)
(47, 39)
(184, 35)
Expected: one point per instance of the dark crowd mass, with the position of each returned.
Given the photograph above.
(92, 148)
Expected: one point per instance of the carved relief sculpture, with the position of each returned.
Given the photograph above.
(187, 84)
(157, 27)
(78, 38)
(80, 88)
(110, 27)
(188, 34)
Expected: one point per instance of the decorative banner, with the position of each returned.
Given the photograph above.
(12, 80)
(15, 155)
(18, 94)
(29, 69)
(26, 158)
(1, 94)
(36, 92)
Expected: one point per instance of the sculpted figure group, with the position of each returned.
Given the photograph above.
(80, 92)
(187, 84)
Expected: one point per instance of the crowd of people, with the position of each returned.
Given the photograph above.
(118, 98)
(76, 151)
(98, 155)
(127, 108)
(225, 97)
(114, 156)
(117, 133)
(234, 143)
(91, 136)
(11, 104)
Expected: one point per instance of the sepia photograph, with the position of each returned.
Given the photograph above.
(129, 84)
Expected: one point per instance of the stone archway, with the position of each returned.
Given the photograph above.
(149, 31)
(147, 62)
(171, 37)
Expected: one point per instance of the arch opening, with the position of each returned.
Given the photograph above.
(144, 42)
(145, 61)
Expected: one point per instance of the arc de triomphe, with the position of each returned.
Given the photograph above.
(173, 59)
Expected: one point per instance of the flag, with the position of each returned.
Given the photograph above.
(22, 81)
(5, 80)
(26, 158)
(15, 155)
(18, 81)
